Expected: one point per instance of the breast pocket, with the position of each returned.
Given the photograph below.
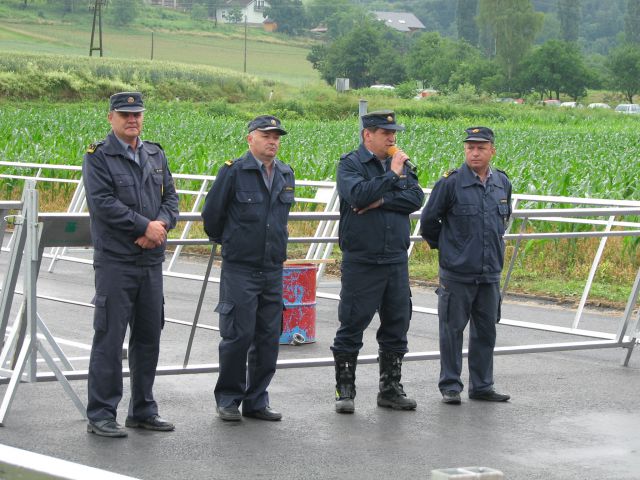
(287, 197)
(462, 219)
(250, 205)
(504, 212)
(158, 183)
(125, 189)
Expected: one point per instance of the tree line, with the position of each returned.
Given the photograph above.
(494, 52)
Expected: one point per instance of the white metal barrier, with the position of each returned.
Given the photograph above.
(324, 193)
(625, 337)
(21, 464)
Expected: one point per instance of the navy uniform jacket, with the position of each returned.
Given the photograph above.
(467, 222)
(245, 218)
(380, 235)
(124, 197)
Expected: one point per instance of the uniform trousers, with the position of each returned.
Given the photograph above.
(126, 294)
(365, 289)
(459, 303)
(250, 309)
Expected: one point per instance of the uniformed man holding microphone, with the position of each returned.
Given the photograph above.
(132, 204)
(378, 190)
(246, 212)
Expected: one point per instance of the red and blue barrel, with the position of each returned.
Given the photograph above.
(299, 296)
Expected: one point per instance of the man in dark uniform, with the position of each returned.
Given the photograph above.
(246, 212)
(132, 203)
(377, 192)
(465, 219)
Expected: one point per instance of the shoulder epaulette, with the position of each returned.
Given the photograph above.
(449, 172)
(154, 143)
(229, 163)
(94, 146)
(503, 172)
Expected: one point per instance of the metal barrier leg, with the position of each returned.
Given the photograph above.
(11, 342)
(199, 307)
(3, 225)
(63, 380)
(53, 344)
(592, 274)
(9, 395)
(11, 279)
(513, 259)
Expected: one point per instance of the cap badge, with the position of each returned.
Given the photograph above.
(475, 130)
(273, 122)
(389, 118)
(130, 100)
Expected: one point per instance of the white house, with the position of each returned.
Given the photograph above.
(252, 9)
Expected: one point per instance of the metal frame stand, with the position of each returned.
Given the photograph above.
(24, 340)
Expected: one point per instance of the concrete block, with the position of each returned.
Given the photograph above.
(466, 473)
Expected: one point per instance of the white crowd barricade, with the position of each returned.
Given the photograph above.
(605, 219)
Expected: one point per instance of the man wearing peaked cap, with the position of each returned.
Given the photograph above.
(479, 134)
(246, 211)
(126, 102)
(132, 204)
(465, 220)
(266, 123)
(377, 191)
(385, 119)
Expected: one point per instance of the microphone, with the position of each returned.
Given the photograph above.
(393, 149)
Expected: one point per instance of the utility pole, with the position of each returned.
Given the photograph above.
(97, 15)
(245, 44)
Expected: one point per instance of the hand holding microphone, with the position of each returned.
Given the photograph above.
(393, 149)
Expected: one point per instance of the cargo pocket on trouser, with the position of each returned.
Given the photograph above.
(227, 317)
(100, 313)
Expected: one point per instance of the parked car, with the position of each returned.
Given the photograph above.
(571, 105)
(425, 93)
(382, 87)
(631, 108)
(551, 102)
(599, 105)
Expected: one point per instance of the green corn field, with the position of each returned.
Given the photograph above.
(585, 154)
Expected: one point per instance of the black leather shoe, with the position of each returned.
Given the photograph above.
(154, 422)
(229, 414)
(452, 397)
(490, 396)
(106, 428)
(267, 413)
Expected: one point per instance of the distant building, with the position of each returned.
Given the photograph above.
(228, 11)
(401, 21)
(252, 9)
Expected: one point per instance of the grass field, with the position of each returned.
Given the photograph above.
(274, 60)
(590, 154)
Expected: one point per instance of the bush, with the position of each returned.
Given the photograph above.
(406, 90)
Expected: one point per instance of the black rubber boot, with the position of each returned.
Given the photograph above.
(391, 392)
(345, 381)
